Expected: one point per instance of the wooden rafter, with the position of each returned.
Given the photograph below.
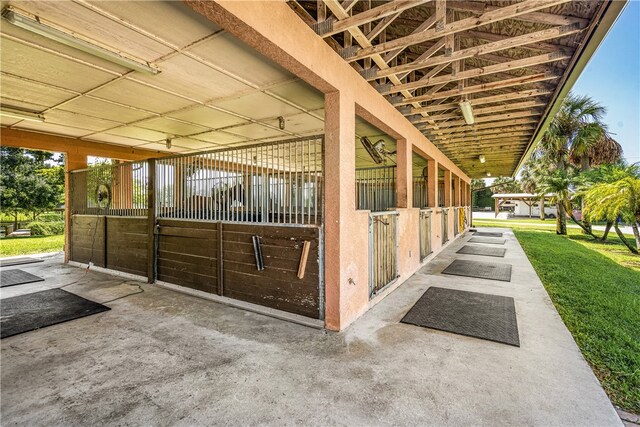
(483, 71)
(488, 110)
(484, 87)
(500, 14)
(362, 40)
(344, 24)
(547, 34)
(485, 100)
(482, 126)
(485, 132)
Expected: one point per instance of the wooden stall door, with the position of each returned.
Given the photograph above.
(279, 284)
(187, 254)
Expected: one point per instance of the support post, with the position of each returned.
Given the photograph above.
(339, 166)
(497, 207)
(447, 188)
(432, 183)
(404, 170)
(151, 221)
(72, 161)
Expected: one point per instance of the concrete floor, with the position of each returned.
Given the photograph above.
(165, 358)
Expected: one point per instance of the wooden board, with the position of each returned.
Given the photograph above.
(278, 285)
(127, 243)
(188, 254)
(88, 240)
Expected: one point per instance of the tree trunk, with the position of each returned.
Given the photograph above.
(15, 221)
(624, 239)
(606, 230)
(541, 207)
(585, 230)
(636, 234)
(587, 224)
(561, 220)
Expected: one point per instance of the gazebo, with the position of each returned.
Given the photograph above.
(527, 198)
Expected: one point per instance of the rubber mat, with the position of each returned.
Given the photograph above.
(482, 250)
(18, 261)
(487, 234)
(490, 317)
(41, 309)
(479, 269)
(17, 277)
(490, 240)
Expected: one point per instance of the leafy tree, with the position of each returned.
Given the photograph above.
(481, 194)
(29, 182)
(505, 185)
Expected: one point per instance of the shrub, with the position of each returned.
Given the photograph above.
(40, 228)
(50, 217)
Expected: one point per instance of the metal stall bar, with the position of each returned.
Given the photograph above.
(261, 183)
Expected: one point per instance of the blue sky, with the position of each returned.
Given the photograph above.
(612, 78)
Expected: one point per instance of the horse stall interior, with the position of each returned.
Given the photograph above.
(243, 223)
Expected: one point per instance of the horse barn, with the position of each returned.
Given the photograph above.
(300, 158)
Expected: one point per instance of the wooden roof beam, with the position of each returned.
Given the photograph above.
(477, 72)
(541, 46)
(481, 88)
(493, 118)
(478, 7)
(484, 100)
(381, 26)
(330, 27)
(484, 133)
(428, 23)
(483, 126)
(362, 40)
(491, 47)
(466, 24)
(488, 110)
(506, 136)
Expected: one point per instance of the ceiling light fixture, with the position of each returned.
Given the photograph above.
(281, 122)
(482, 158)
(167, 142)
(467, 112)
(488, 173)
(20, 114)
(36, 26)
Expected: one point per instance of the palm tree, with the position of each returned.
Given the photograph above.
(616, 200)
(530, 178)
(558, 183)
(577, 137)
(607, 173)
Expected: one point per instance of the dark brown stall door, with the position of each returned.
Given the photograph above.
(189, 255)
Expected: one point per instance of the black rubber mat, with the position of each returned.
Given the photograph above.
(40, 309)
(490, 317)
(491, 240)
(17, 277)
(18, 261)
(482, 250)
(487, 234)
(479, 269)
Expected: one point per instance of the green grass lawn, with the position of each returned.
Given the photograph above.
(12, 246)
(595, 286)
